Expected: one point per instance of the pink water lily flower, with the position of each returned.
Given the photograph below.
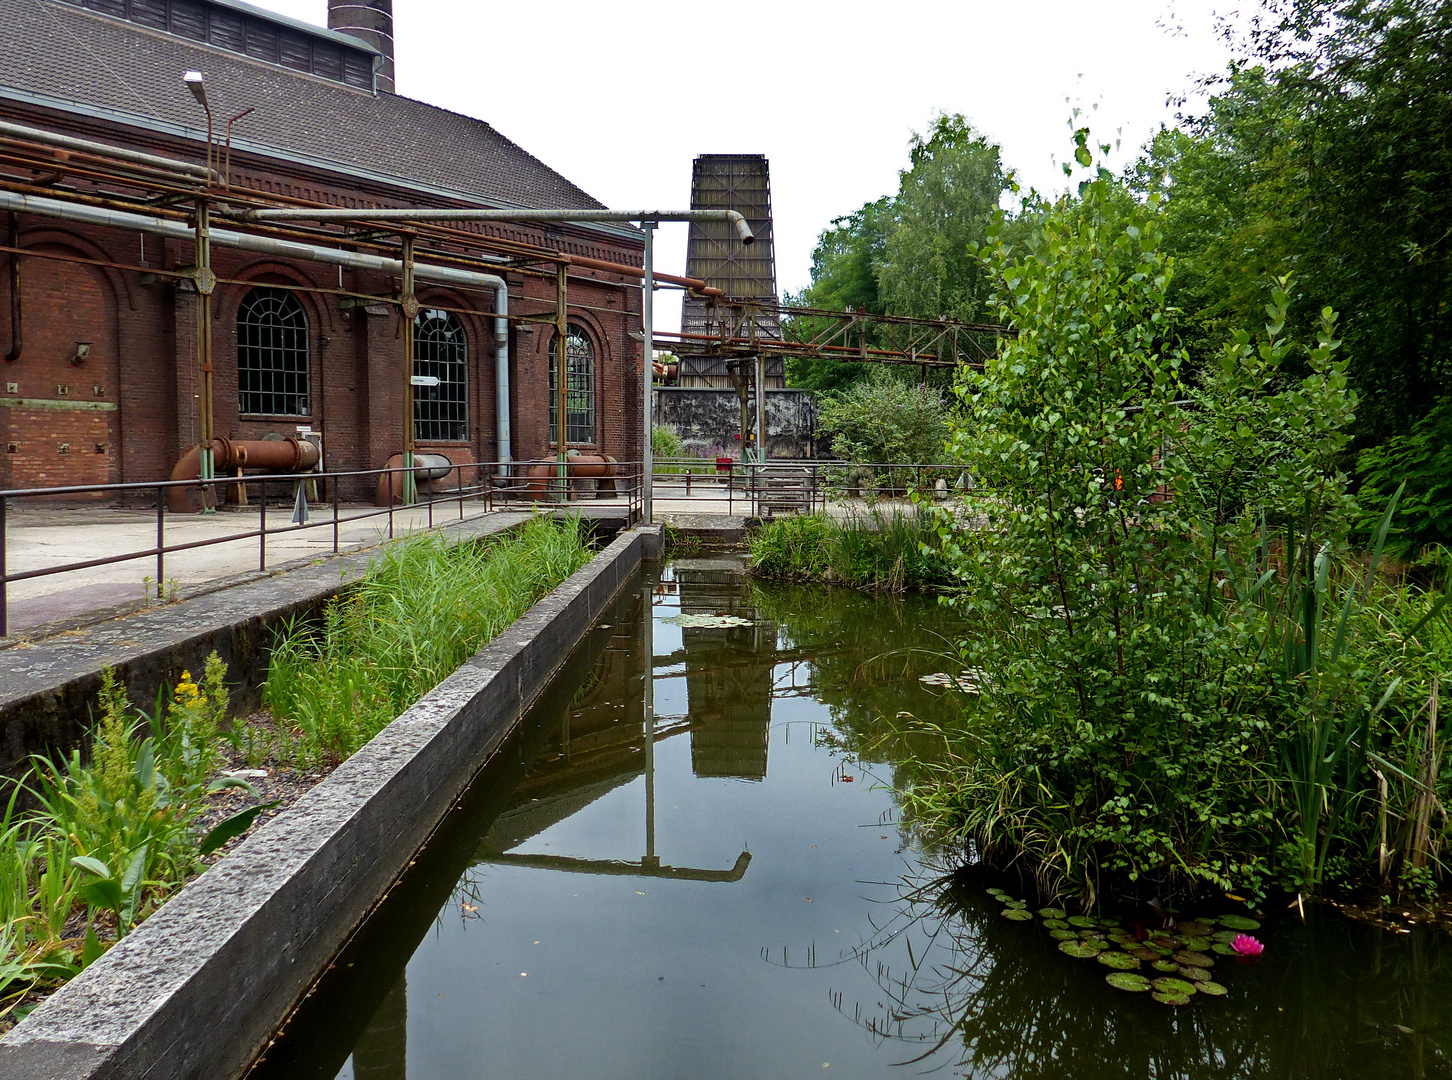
(1245, 945)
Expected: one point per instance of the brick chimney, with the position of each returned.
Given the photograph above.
(371, 20)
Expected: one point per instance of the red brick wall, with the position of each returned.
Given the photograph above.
(142, 356)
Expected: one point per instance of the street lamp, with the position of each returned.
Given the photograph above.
(194, 83)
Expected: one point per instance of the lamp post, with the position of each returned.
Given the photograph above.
(205, 282)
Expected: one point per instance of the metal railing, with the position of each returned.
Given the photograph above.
(762, 489)
(311, 491)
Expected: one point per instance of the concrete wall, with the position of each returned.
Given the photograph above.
(199, 988)
(707, 417)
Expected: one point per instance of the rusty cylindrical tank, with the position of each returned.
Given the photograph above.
(425, 467)
(542, 475)
(229, 455)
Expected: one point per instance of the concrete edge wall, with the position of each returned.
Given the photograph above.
(199, 988)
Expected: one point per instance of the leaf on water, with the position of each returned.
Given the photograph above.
(1194, 974)
(1168, 985)
(1197, 944)
(1115, 959)
(1238, 922)
(1223, 949)
(1081, 950)
(1165, 965)
(1017, 914)
(1193, 959)
(1127, 980)
(1055, 924)
(1213, 989)
(1195, 929)
(707, 620)
(1051, 913)
(1171, 999)
(1064, 935)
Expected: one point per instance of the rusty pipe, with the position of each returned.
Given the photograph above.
(229, 455)
(695, 285)
(13, 240)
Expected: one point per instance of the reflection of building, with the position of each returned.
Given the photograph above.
(381, 1052)
(728, 677)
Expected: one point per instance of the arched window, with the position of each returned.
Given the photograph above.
(579, 388)
(272, 355)
(440, 351)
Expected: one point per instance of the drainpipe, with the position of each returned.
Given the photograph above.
(291, 249)
(13, 240)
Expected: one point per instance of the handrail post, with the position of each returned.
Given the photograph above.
(389, 474)
(335, 514)
(262, 529)
(160, 537)
(4, 568)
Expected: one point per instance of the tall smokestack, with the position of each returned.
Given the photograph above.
(371, 20)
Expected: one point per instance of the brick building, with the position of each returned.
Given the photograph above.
(101, 379)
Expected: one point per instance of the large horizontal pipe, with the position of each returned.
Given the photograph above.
(463, 214)
(86, 146)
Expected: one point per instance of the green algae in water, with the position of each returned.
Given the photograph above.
(1127, 980)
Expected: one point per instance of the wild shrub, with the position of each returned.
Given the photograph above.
(880, 551)
(1181, 677)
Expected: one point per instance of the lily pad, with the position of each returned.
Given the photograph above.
(1195, 928)
(1165, 965)
(1016, 904)
(1213, 989)
(1082, 950)
(1223, 949)
(1194, 974)
(1171, 999)
(1127, 980)
(1149, 956)
(1083, 921)
(1091, 935)
(1120, 961)
(1016, 914)
(1193, 959)
(707, 620)
(1111, 923)
(1119, 937)
(1224, 936)
(1198, 944)
(994, 890)
(1168, 985)
(1238, 922)
(1051, 913)
(1055, 924)
(1070, 935)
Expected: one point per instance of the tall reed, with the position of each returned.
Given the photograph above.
(426, 606)
(879, 551)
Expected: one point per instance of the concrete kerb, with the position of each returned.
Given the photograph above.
(197, 990)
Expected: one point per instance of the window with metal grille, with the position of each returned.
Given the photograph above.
(579, 388)
(440, 351)
(272, 354)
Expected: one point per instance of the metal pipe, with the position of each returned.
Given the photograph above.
(647, 324)
(408, 308)
(562, 379)
(227, 162)
(86, 146)
(467, 214)
(13, 239)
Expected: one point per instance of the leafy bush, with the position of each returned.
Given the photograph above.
(885, 420)
(425, 607)
(665, 443)
(1188, 681)
(1422, 459)
(879, 552)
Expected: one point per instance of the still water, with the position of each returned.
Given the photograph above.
(733, 897)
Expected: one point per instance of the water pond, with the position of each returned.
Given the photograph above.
(733, 897)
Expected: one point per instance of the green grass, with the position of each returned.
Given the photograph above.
(879, 552)
(425, 607)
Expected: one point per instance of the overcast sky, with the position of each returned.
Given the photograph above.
(621, 96)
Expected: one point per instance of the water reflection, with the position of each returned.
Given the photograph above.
(674, 871)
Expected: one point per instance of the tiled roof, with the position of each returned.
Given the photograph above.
(71, 59)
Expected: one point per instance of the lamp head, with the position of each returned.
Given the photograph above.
(193, 80)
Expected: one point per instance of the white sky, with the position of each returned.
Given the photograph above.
(621, 96)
